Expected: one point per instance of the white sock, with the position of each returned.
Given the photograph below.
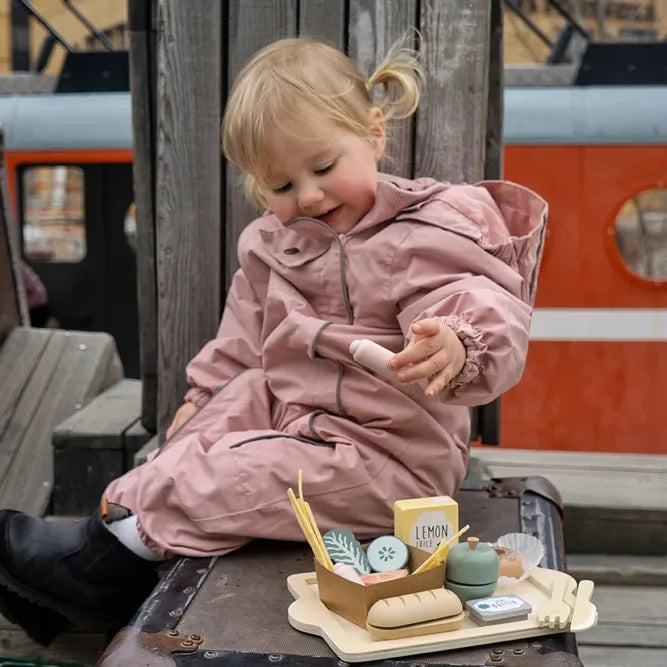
(127, 532)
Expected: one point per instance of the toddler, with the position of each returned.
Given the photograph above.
(443, 275)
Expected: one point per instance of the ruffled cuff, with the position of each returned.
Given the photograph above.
(197, 396)
(475, 349)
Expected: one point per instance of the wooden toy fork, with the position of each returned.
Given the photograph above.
(556, 612)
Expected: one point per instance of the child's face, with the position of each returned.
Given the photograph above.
(332, 178)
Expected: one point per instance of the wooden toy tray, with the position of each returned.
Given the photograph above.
(353, 644)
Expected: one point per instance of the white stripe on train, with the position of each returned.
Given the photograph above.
(599, 324)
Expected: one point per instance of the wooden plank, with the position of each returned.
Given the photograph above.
(103, 422)
(252, 25)
(629, 616)
(19, 357)
(493, 158)
(142, 84)
(613, 656)
(373, 28)
(629, 481)
(13, 308)
(26, 413)
(188, 208)
(614, 530)
(80, 477)
(141, 454)
(135, 437)
(91, 447)
(617, 570)
(115, 372)
(76, 646)
(614, 503)
(72, 370)
(486, 422)
(323, 19)
(451, 121)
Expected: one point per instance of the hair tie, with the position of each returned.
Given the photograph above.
(368, 85)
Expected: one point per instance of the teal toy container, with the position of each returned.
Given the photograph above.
(472, 569)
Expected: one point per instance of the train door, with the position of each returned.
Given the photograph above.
(72, 222)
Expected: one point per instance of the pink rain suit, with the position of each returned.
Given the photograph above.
(279, 389)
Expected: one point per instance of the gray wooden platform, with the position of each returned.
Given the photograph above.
(631, 630)
(614, 503)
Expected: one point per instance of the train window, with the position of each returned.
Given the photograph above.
(130, 226)
(54, 228)
(641, 234)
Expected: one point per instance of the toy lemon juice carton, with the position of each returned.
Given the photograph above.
(425, 522)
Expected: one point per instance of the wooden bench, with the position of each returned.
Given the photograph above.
(47, 375)
(94, 446)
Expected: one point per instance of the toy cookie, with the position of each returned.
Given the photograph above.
(511, 564)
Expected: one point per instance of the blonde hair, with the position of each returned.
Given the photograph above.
(301, 78)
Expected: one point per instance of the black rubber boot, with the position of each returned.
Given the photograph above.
(52, 573)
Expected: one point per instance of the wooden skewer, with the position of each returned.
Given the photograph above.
(309, 533)
(439, 553)
(437, 556)
(312, 523)
(304, 524)
(327, 559)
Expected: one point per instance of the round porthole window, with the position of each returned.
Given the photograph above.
(641, 234)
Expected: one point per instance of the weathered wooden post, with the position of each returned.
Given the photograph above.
(13, 308)
(201, 48)
(451, 122)
(141, 19)
(486, 418)
(188, 184)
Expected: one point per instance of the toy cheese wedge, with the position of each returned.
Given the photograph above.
(414, 614)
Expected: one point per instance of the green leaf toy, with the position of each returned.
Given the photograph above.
(343, 547)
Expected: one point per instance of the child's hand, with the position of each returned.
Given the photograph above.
(182, 415)
(435, 352)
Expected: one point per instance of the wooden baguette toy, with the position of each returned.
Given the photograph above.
(422, 613)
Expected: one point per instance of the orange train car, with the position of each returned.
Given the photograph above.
(596, 373)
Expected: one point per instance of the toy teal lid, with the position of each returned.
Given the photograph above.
(472, 562)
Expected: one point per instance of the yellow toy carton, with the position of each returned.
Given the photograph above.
(424, 522)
